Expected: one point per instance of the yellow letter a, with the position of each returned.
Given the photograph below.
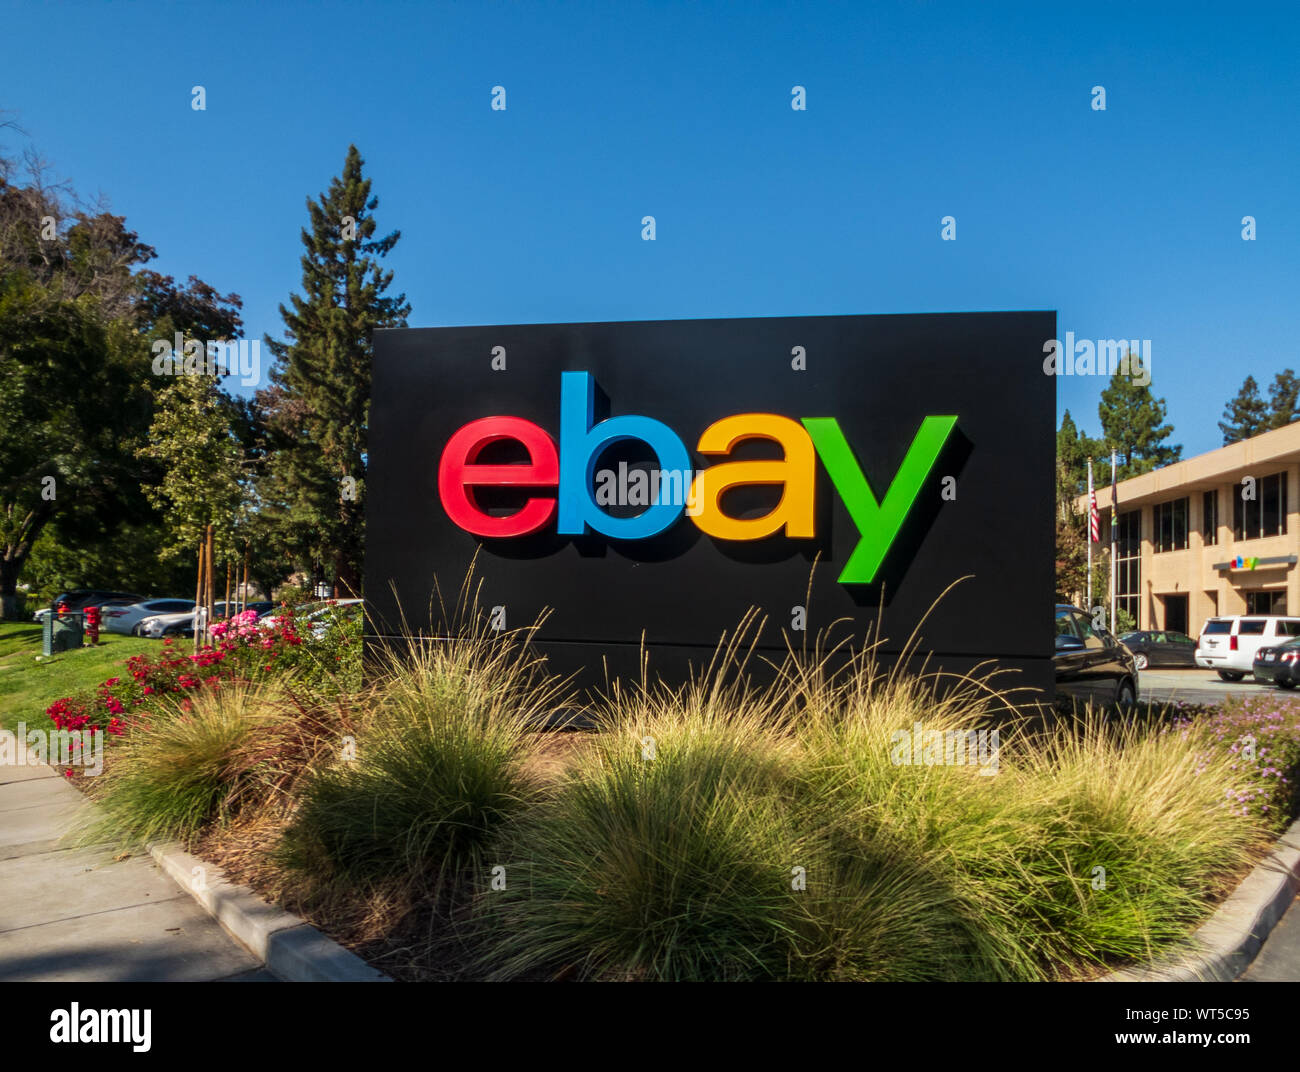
(796, 472)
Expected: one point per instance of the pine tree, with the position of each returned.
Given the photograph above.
(1071, 544)
(1284, 399)
(1245, 415)
(1132, 423)
(319, 406)
(1073, 449)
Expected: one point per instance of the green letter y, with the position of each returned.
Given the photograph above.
(877, 524)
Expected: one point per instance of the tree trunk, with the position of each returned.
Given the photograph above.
(212, 587)
(346, 580)
(9, 568)
(198, 592)
(14, 554)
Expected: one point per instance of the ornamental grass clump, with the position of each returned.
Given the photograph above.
(665, 854)
(1090, 843)
(1139, 840)
(436, 767)
(1068, 846)
(198, 759)
(911, 768)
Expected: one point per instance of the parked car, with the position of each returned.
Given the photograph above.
(1090, 663)
(78, 599)
(1153, 648)
(161, 625)
(182, 623)
(310, 612)
(318, 621)
(1228, 644)
(260, 607)
(126, 617)
(1278, 665)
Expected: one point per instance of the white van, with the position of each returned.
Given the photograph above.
(1228, 645)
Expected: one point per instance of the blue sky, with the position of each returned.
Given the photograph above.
(1126, 221)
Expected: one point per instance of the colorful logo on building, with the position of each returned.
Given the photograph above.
(559, 480)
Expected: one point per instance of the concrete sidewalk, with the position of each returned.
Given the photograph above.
(76, 915)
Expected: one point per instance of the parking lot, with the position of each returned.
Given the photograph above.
(1203, 686)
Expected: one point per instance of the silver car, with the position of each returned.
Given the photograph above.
(126, 618)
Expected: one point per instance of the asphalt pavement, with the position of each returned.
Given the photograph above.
(1279, 960)
(1203, 687)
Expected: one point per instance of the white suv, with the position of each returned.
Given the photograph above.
(1228, 645)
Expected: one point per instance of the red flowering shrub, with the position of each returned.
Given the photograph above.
(243, 648)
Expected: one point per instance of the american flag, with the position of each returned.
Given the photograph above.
(1094, 518)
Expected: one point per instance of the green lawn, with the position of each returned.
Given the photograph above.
(29, 683)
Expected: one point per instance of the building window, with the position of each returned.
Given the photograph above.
(1128, 564)
(1265, 513)
(1265, 602)
(1170, 527)
(1210, 517)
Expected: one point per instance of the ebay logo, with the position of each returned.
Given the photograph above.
(561, 485)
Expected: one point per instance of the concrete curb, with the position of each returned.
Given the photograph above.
(1224, 946)
(291, 949)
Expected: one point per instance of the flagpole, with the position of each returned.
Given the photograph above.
(1114, 529)
(1088, 603)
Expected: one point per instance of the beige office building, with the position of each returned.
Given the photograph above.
(1215, 534)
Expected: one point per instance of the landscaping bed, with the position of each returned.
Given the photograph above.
(827, 827)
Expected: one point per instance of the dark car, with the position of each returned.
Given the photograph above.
(81, 598)
(1152, 648)
(1278, 665)
(1090, 663)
